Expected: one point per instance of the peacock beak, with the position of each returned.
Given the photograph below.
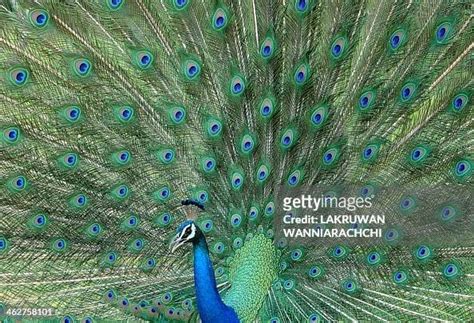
(176, 242)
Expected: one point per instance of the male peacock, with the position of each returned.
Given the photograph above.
(112, 112)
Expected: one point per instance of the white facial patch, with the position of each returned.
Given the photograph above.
(185, 235)
(188, 232)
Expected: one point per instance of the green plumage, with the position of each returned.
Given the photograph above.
(112, 112)
(252, 270)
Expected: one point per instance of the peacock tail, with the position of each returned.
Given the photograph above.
(113, 111)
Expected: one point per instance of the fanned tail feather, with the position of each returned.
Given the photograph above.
(112, 112)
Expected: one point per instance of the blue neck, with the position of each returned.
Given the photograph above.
(210, 305)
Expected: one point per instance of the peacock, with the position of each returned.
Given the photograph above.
(146, 146)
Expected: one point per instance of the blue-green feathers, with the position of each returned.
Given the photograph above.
(112, 112)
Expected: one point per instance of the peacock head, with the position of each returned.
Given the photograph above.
(187, 231)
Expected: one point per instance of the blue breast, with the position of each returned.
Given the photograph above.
(210, 305)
